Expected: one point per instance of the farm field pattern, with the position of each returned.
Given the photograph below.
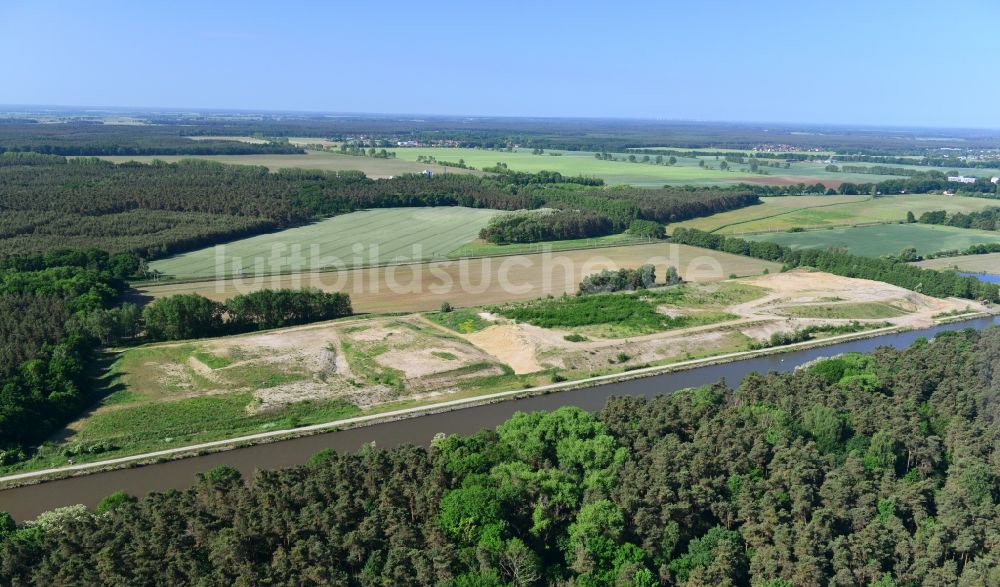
(322, 160)
(988, 263)
(883, 239)
(395, 232)
(784, 213)
(687, 170)
(370, 293)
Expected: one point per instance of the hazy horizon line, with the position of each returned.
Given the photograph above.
(26, 109)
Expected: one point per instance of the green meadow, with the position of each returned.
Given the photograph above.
(783, 213)
(573, 163)
(702, 170)
(883, 239)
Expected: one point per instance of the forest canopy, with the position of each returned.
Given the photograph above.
(874, 469)
(75, 138)
(54, 313)
(51, 202)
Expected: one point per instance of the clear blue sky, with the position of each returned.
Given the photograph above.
(876, 62)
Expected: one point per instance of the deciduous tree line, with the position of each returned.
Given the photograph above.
(623, 280)
(194, 316)
(54, 313)
(983, 220)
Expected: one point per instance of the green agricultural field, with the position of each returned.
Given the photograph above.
(352, 240)
(783, 213)
(574, 163)
(746, 152)
(687, 170)
(988, 263)
(817, 169)
(884, 239)
(372, 167)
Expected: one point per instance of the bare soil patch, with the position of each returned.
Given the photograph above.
(478, 282)
(511, 344)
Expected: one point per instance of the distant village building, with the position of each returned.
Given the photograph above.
(962, 179)
(427, 172)
(995, 180)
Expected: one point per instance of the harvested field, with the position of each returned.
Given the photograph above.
(988, 263)
(785, 213)
(474, 282)
(322, 160)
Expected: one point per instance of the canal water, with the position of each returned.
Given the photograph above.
(27, 502)
(983, 277)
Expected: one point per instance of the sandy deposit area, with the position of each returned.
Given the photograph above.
(371, 361)
(527, 348)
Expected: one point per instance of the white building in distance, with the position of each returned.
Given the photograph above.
(962, 179)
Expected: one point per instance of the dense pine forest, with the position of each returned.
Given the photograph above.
(88, 138)
(579, 134)
(859, 470)
(572, 214)
(89, 133)
(52, 203)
